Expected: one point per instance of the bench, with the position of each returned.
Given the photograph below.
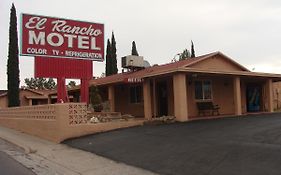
(204, 107)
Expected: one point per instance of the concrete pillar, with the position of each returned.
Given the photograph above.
(84, 90)
(49, 99)
(237, 96)
(147, 99)
(111, 98)
(154, 98)
(30, 102)
(269, 94)
(61, 90)
(180, 97)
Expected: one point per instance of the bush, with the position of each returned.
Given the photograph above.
(95, 99)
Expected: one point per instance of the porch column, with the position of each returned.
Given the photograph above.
(180, 97)
(147, 99)
(154, 98)
(49, 100)
(111, 98)
(237, 96)
(30, 102)
(269, 94)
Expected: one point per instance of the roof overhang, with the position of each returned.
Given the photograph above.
(275, 77)
(37, 97)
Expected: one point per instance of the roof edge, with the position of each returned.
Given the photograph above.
(221, 54)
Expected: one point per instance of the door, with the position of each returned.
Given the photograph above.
(253, 98)
(162, 96)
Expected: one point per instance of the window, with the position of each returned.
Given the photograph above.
(135, 94)
(203, 90)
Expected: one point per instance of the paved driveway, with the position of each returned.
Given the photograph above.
(239, 145)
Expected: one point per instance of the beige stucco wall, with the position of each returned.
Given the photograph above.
(122, 101)
(222, 94)
(3, 102)
(217, 63)
(56, 122)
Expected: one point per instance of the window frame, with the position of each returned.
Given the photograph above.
(202, 89)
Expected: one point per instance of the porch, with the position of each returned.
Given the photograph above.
(178, 94)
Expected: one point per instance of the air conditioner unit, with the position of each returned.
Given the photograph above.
(132, 61)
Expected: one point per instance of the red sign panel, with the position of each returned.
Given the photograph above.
(63, 67)
(57, 37)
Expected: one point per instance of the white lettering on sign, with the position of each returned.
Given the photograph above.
(56, 39)
(83, 42)
(40, 39)
(70, 39)
(37, 23)
(51, 41)
(61, 26)
(82, 54)
(135, 80)
(61, 37)
(93, 44)
(37, 51)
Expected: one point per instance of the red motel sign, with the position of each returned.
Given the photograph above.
(72, 68)
(58, 37)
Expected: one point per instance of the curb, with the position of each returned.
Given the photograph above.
(7, 137)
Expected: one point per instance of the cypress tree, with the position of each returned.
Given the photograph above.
(113, 55)
(13, 61)
(134, 49)
(108, 60)
(192, 50)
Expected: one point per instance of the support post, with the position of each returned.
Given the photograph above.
(61, 91)
(180, 97)
(49, 100)
(111, 98)
(84, 90)
(237, 96)
(154, 98)
(269, 92)
(147, 99)
(30, 102)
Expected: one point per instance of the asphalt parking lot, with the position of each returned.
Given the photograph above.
(232, 146)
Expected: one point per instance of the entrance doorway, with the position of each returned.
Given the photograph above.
(162, 98)
(253, 98)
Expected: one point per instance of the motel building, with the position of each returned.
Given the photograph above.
(211, 85)
(208, 85)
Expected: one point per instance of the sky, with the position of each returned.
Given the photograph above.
(249, 31)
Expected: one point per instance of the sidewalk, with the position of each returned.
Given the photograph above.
(61, 159)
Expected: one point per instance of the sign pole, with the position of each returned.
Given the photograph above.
(85, 90)
(61, 90)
